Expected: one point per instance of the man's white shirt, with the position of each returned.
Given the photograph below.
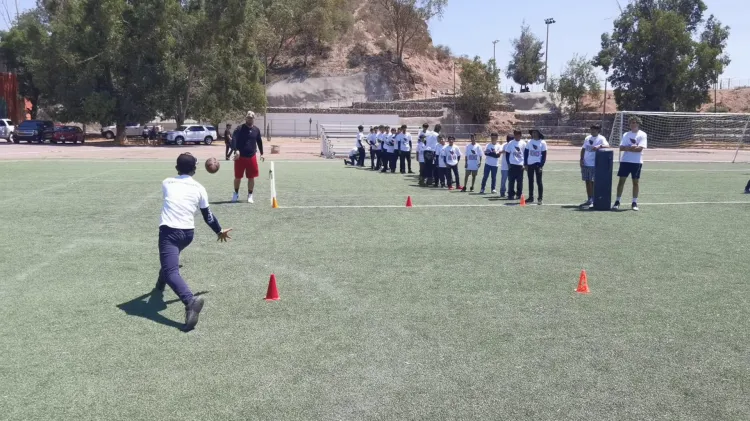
(515, 149)
(432, 139)
(182, 198)
(491, 160)
(535, 147)
(591, 142)
(360, 138)
(405, 140)
(503, 162)
(371, 139)
(634, 139)
(379, 141)
(421, 147)
(473, 157)
(390, 143)
(452, 154)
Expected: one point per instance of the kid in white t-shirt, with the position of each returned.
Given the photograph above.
(472, 163)
(535, 156)
(441, 166)
(632, 145)
(452, 158)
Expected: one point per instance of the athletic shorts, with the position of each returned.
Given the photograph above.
(246, 166)
(587, 173)
(471, 172)
(629, 169)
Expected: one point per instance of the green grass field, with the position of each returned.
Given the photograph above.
(437, 312)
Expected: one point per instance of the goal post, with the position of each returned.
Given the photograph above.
(687, 130)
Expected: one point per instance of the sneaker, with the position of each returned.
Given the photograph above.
(616, 206)
(530, 200)
(450, 188)
(250, 198)
(192, 310)
(235, 197)
(472, 188)
(494, 191)
(160, 284)
(502, 196)
(540, 202)
(635, 206)
(463, 190)
(411, 172)
(481, 191)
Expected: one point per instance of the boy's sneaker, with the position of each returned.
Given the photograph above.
(481, 191)
(463, 190)
(192, 310)
(494, 191)
(250, 198)
(530, 200)
(616, 206)
(540, 202)
(472, 188)
(235, 197)
(635, 206)
(450, 188)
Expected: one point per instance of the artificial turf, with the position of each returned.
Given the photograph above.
(457, 312)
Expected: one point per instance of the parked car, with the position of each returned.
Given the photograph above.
(131, 130)
(7, 129)
(68, 134)
(191, 133)
(34, 131)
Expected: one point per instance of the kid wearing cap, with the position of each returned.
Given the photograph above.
(452, 158)
(472, 163)
(534, 157)
(493, 153)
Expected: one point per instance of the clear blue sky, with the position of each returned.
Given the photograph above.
(469, 27)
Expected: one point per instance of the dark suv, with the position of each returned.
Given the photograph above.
(34, 131)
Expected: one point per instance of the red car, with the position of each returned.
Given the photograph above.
(68, 134)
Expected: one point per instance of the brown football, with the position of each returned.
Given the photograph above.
(212, 165)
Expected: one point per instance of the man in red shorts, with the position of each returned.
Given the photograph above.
(247, 143)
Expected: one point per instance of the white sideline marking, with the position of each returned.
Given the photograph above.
(489, 205)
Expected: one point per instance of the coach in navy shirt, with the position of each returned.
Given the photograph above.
(246, 143)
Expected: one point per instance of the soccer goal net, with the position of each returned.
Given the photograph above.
(688, 130)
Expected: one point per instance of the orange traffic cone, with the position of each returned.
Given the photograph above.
(523, 200)
(273, 293)
(408, 202)
(583, 284)
(275, 204)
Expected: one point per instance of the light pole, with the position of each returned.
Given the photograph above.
(548, 21)
(494, 43)
(454, 95)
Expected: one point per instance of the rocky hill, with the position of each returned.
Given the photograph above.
(360, 66)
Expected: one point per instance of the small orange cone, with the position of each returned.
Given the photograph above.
(275, 204)
(408, 202)
(583, 284)
(273, 293)
(523, 200)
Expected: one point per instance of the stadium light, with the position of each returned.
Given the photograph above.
(493, 50)
(548, 21)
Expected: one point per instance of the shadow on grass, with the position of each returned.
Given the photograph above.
(149, 305)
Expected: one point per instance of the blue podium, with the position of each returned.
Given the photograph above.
(603, 179)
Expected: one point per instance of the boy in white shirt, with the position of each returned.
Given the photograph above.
(371, 141)
(392, 149)
(404, 148)
(421, 148)
(632, 145)
(452, 158)
(441, 166)
(353, 157)
(591, 144)
(492, 153)
(182, 197)
(514, 151)
(504, 163)
(534, 157)
(472, 163)
(360, 145)
(379, 148)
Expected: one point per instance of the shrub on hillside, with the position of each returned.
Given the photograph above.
(719, 108)
(443, 53)
(356, 55)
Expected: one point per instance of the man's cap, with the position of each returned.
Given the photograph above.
(250, 114)
(186, 163)
(596, 127)
(541, 135)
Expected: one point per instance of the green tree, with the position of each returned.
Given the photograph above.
(25, 49)
(526, 65)
(480, 89)
(663, 55)
(405, 22)
(111, 58)
(578, 79)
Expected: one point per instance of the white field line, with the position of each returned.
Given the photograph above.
(504, 204)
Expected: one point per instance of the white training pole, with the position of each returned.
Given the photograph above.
(271, 176)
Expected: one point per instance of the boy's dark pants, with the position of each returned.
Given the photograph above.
(535, 170)
(372, 158)
(450, 172)
(361, 159)
(171, 243)
(515, 181)
(405, 159)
